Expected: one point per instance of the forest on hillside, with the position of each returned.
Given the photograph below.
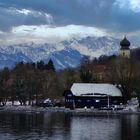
(38, 81)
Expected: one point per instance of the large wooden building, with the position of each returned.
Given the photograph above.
(92, 95)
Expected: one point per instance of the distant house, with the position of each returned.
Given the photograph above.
(92, 95)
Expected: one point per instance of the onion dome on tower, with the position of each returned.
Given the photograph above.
(125, 50)
(125, 43)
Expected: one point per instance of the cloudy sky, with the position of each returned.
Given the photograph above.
(48, 20)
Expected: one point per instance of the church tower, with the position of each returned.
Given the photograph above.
(125, 50)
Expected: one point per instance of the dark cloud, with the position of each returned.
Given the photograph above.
(99, 13)
(14, 17)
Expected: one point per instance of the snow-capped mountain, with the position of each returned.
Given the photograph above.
(67, 53)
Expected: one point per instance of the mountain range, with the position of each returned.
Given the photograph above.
(66, 53)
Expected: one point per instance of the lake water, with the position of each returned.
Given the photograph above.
(62, 126)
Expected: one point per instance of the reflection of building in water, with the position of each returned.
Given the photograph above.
(95, 128)
(130, 129)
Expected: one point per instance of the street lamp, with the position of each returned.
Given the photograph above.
(108, 102)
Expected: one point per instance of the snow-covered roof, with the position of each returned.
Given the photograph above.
(91, 89)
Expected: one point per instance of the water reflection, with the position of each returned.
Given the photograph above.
(97, 128)
(130, 127)
(61, 126)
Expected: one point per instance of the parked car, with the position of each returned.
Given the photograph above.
(49, 103)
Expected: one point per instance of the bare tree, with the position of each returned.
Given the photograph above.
(123, 72)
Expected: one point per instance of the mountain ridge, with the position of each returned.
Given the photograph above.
(67, 53)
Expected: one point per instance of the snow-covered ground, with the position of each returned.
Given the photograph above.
(132, 105)
(131, 108)
(31, 109)
(16, 103)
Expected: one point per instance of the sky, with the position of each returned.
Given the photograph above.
(53, 20)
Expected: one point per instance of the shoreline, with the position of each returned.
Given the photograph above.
(34, 109)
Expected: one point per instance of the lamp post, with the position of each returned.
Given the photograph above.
(108, 102)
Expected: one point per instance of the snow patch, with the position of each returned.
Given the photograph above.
(85, 89)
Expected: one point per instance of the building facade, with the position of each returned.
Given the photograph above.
(92, 95)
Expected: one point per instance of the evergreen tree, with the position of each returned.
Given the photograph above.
(4, 76)
(50, 65)
(40, 65)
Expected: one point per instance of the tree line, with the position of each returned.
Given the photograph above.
(34, 82)
(27, 81)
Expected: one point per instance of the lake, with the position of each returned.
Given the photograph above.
(65, 126)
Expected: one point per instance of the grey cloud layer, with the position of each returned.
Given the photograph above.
(99, 13)
(13, 17)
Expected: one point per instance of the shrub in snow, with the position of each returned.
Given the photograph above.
(132, 105)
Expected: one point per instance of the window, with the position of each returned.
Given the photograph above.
(115, 102)
(97, 101)
(69, 95)
(79, 101)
